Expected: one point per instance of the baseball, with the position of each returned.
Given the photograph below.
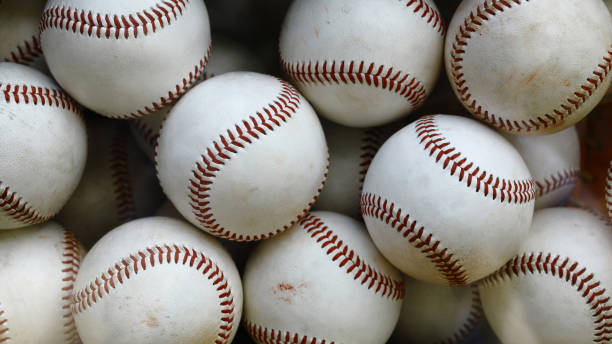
(554, 163)
(322, 281)
(19, 21)
(157, 280)
(120, 58)
(354, 70)
(351, 151)
(38, 266)
(242, 156)
(433, 314)
(608, 190)
(447, 200)
(43, 146)
(529, 67)
(118, 182)
(557, 288)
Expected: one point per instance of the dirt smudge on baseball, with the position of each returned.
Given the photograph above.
(286, 292)
(152, 321)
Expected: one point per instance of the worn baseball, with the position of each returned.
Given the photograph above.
(38, 266)
(554, 163)
(322, 281)
(447, 200)
(530, 67)
(608, 190)
(242, 156)
(157, 280)
(19, 22)
(363, 63)
(351, 151)
(43, 146)
(433, 314)
(118, 184)
(125, 59)
(557, 288)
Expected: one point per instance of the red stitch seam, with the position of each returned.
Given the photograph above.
(451, 269)
(38, 95)
(370, 143)
(148, 258)
(609, 191)
(512, 191)
(118, 164)
(71, 261)
(114, 26)
(20, 210)
(4, 329)
(556, 181)
(473, 320)
(205, 171)
(585, 283)
(355, 265)
(352, 72)
(428, 13)
(573, 102)
(26, 53)
(265, 335)
(146, 132)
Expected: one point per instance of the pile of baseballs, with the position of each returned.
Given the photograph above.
(316, 205)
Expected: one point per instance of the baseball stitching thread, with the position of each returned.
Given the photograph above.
(38, 96)
(431, 15)
(473, 320)
(432, 140)
(146, 132)
(556, 181)
(352, 72)
(571, 272)
(443, 259)
(271, 336)
(609, 190)
(18, 209)
(118, 165)
(4, 329)
(471, 24)
(348, 259)
(244, 133)
(145, 259)
(370, 143)
(71, 261)
(26, 52)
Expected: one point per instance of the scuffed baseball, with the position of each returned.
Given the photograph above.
(447, 200)
(119, 183)
(554, 163)
(530, 67)
(125, 59)
(322, 281)
(363, 63)
(557, 288)
(242, 156)
(43, 146)
(38, 266)
(157, 280)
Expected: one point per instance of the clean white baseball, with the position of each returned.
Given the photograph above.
(363, 63)
(19, 23)
(351, 151)
(43, 146)
(447, 200)
(242, 156)
(125, 59)
(157, 280)
(322, 281)
(434, 314)
(557, 288)
(118, 182)
(38, 266)
(530, 67)
(554, 163)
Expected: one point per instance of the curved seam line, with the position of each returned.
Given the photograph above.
(556, 181)
(272, 336)
(475, 316)
(4, 329)
(370, 143)
(71, 260)
(26, 52)
(118, 165)
(38, 95)
(608, 191)
(19, 209)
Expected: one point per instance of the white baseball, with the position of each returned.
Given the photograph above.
(38, 266)
(351, 151)
(19, 22)
(43, 146)
(554, 163)
(557, 288)
(118, 182)
(434, 314)
(322, 281)
(360, 62)
(242, 156)
(157, 280)
(447, 200)
(530, 67)
(125, 59)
